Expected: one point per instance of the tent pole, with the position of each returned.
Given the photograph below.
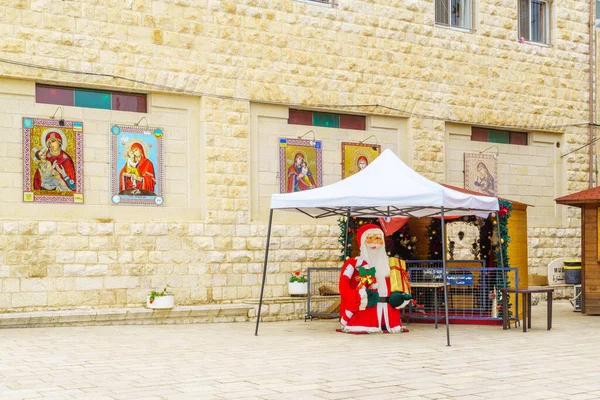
(501, 255)
(347, 229)
(445, 274)
(262, 288)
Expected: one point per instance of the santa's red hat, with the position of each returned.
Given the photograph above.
(363, 229)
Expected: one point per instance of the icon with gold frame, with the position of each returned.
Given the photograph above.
(356, 157)
(52, 161)
(300, 165)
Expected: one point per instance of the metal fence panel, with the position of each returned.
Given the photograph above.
(473, 291)
(323, 293)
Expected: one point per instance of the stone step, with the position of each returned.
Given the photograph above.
(125, 316)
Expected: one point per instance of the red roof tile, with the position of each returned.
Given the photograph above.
(585, 196)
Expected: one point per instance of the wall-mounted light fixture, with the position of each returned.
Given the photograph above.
(374, 147)
(61, 121)
(312, 141)
(147, 130)
(497, 151)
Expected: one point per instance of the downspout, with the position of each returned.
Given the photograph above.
(592, 97)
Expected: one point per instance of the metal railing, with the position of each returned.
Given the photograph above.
(470, 290)
(323, 298)
(473, 290)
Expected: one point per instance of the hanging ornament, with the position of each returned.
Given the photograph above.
(433, 232)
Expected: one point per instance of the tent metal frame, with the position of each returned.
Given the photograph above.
(387, 211)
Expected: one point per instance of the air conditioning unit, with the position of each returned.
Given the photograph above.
(577, 294)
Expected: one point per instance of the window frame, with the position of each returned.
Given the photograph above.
(547, 15)
(514, 138)
(447, 6)
(114, 98)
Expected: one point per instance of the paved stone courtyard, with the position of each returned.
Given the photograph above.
(304, 360)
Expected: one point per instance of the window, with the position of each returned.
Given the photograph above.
(534, 20)
(458, 13)
(328, 120)
(498, 136)
(91, 98)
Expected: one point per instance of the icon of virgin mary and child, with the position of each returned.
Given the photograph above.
(55, 169)
(137, 177)
(299, 177)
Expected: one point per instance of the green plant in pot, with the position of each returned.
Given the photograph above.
(164, 299)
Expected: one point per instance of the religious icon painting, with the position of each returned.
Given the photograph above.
(52, 161)
(300, 165)
(481, 173)
(356, 156)
(136, 165)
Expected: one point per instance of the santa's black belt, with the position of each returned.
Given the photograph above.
(383, 299)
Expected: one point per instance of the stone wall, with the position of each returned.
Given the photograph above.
(208, 66)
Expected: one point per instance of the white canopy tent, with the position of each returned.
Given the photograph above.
(385, 188)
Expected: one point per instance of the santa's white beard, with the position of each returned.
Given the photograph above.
(377, 258)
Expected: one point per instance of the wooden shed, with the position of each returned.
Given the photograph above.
(589, 202)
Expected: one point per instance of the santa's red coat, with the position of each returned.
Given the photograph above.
(370, 319)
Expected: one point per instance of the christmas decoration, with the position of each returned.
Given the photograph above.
(345, 248)
(434, 233)
(400, 244)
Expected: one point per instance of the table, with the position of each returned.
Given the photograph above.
(435, 286)
(526, 297)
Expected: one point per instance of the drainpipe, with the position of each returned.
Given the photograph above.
(592, 97)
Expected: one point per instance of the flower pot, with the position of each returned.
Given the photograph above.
(161, 302)
(298, 288)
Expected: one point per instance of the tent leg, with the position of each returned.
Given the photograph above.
(501, 255)
(445, 274)
(262, 288)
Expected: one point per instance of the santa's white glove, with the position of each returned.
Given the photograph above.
(363, 298)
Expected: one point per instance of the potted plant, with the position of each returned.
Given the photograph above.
(298, 284)
(160, 300)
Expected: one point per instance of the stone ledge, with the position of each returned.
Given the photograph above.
(181, 315)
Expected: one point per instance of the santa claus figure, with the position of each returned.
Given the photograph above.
(373, 287)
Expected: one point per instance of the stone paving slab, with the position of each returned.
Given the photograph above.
(304, 360)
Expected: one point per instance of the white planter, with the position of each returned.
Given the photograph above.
(161, 302)
(298, 288)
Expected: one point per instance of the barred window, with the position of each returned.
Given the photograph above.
(534, 20)
(457, 13)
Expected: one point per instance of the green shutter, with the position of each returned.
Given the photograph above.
(92, 99)
(326, 120)
(498, 136)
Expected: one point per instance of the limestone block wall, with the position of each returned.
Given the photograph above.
(534, 175)
(219, 75)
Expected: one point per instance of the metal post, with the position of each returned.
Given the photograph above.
(444, 273)
(262, 288)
